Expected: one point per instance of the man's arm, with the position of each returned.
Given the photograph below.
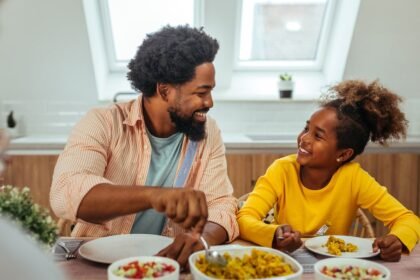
(215, 234)
(186, 207)
(216, 185)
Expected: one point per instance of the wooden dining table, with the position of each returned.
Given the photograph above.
(406, 269)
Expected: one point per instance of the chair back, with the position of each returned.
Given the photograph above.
(362, 226)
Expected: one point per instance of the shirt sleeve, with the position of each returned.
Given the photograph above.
(215, 183)
(81, 165)
(259, 203)
(401, 222)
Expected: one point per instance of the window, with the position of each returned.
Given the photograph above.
(258, 40)
(283, 34)
(126, 23)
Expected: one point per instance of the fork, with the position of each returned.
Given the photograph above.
(323, 229)
(320, 232)
(69, 254)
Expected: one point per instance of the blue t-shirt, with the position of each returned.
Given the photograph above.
(162, 171)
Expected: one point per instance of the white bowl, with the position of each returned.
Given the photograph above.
(340, 262)
(172, 276)
(240, 251)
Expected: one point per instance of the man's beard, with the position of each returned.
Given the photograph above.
(195, 131)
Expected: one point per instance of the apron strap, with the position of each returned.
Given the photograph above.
(186, 165)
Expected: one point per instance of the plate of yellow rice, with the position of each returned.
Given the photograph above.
(341, 246)
(246, 262)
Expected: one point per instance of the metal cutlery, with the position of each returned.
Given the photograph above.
(69, 254)
(320, 232)
(213, 256)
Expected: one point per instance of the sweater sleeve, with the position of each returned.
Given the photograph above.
(259, 203)
(401, 222)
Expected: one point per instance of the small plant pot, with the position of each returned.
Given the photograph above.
(286, 88)
(13, 132)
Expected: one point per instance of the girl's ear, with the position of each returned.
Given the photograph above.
(345, 155)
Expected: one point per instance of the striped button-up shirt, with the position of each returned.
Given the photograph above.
(111, 146)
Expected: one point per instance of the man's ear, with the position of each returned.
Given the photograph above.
(162, 90)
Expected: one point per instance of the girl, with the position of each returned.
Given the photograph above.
(321, 183)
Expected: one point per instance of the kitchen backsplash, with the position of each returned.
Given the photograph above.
(43, 117)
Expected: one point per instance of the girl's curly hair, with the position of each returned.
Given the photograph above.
(170, 55)
(365, 111)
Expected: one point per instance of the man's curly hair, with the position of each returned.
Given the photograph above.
(365, 111)
(170, 55)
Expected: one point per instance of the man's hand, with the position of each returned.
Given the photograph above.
(286, 239)
(183, 246)
(390, 246)
(186, 207)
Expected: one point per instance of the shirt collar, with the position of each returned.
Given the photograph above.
(135, 112)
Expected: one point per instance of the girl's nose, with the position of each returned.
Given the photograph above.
(304, 138)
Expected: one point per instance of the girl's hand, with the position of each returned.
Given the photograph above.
(286, 239)
(390, 246)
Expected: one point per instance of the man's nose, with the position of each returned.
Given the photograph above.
(208, 101)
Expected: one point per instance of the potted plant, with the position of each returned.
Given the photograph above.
(17, 205)
(12, 128)
(285, 85)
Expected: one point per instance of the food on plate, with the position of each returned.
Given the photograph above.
(337, 245)
(352, 272)
(259, 264)
(142, 270)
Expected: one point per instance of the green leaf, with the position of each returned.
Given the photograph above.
(18, 205)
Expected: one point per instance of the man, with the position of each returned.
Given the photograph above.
(117, 172)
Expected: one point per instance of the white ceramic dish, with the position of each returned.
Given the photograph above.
(172, 276)
(240, 251)
(364, 246)
(112, 248)
(341, 262)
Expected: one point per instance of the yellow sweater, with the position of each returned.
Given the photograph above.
(307, 210)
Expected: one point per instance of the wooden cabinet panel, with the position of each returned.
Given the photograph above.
(34, 172)
(240, 173)
(261, 162)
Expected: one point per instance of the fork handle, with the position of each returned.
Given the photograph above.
(204, 242)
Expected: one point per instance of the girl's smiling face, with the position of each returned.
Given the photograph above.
(317, 143)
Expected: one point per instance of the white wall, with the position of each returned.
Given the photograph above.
(46, 71)
(386, 45)
(45, 63)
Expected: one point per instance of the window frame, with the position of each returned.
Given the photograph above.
(116, 65)
(290, 65)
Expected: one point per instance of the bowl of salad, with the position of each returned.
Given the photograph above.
(144, 268)
(350, 268)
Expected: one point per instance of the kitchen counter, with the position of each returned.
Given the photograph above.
(235, 143)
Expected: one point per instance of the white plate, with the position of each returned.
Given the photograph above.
(111, 248)
(364, 250)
